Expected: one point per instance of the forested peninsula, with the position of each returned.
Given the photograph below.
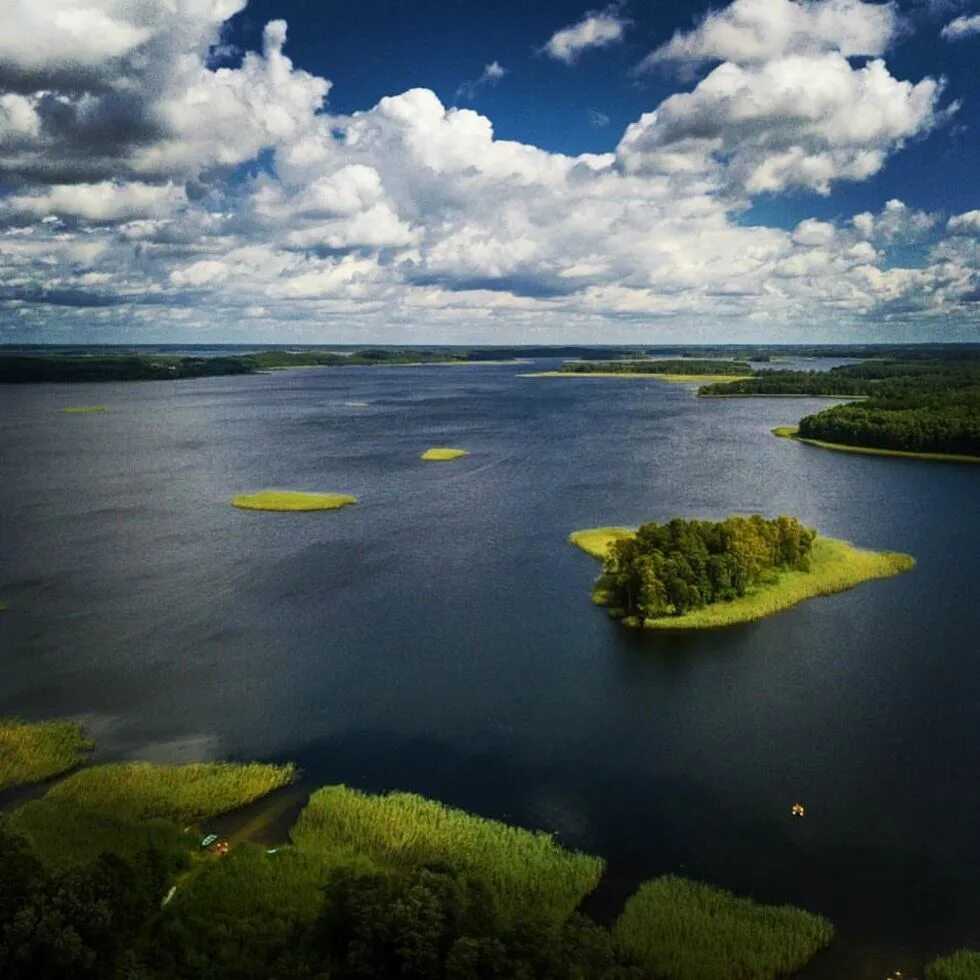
(154, 871)
(691, 574)
(911, 406)
(665, 369)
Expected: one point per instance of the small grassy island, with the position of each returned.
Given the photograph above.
(30, 753)
(84, 410)
(443, 455)
(291, 500)
(686, 370)
(690, 574)
(110, 874)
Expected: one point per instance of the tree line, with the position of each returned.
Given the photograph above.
(673, 568)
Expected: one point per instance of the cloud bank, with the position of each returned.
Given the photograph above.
(146, 194)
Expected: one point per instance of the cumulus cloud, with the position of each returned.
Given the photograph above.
(492, 73)
(961, 27)
(750, 32)
(120, 201)
(597, 29)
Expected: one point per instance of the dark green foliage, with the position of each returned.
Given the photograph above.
(684, 366)
(961, 965)
(910, 405)
(115, 367)
(669, 569)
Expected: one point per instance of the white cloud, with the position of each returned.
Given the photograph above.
(492, 73)
(105, 202)
(756, 31)
(961, 27)
(597, 29)
(896, 223)
(967, 223)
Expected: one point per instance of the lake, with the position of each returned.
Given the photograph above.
(439, 637)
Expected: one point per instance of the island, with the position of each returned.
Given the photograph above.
(292, 500)
(84, 410)
(682, 370)
(443, 455)
(915, 407)
(143, 869)
(691, 574)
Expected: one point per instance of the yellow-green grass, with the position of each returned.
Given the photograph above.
(677, 378)
(595, 541)
(30, 753)
(443, 455)
(835, 566)
(185, 794)
(792, 432)
(84, 410)
(63, 833)
(527, 871)
(291, 501)
(682, 930)
(961, 965)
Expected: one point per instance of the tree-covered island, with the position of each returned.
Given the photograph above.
(689, 370)
(691, 574)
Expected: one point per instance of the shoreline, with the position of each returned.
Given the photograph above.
(791, 432)
(836, 566)
(675, 378)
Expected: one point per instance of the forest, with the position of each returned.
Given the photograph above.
(917, 405)
(690, 366)
(670, 569)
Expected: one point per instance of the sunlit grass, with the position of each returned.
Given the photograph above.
(30, 753)
(835, 566)
(595, 541)
(63, 833)
(443, 455)
(961, 965)
(792, 432)
(84, 410)
(184, 794)
(683, 930)
(292, 500)
(527, 871)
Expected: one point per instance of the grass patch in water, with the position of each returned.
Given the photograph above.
(682, 930)
(30, 753)
(291, 501)
(792, 432)
(961, 965)
(184, 794)
(527, 871)
(595, 541)
(835, 566)
(84, 410)
(442, 455)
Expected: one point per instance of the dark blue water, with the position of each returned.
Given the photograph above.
(439, 636)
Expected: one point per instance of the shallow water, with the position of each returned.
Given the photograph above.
(439, 636)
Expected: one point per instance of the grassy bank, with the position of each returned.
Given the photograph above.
(184, 794)
(683, 930)
(792, 432)
(835, 566)
(961, 965)
(443, 455)
(527, 871)
(660, 376)
(291, 501)
(30, 753)
(84, 410)
(595, 541)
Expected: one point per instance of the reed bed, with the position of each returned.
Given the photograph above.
(84, 410)
(32, 752)
(62, 834)
(792, 432)
(683, 930)
(443, 454)
(595, 541)
(291, 501)
(185, 794)
(961, 965)
(528, 871)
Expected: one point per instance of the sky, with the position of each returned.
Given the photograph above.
(468, 171)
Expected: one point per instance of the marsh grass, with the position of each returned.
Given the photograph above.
(792, 432)
(184, 794)
(961, 965)
(291, 500)
(84, 410)
(835, 566)
(30, 753)
(683, 930)
(442, 455)
(62, 833)
(595, 541)
(527, 871)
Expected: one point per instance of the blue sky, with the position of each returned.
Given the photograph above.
(422, 172)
